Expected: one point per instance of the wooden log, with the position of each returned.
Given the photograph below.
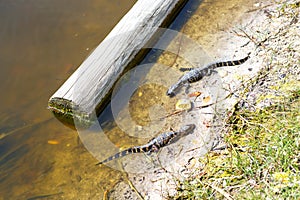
(89, 87)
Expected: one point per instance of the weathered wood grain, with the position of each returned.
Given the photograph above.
(88, 88)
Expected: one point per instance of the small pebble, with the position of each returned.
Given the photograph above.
(281, 76)
(183, 104)
(78, 178)
(139, 128)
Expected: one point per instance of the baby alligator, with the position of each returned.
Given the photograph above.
(154, 144)
(198, 73)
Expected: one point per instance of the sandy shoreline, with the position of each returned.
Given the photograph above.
(271, 36)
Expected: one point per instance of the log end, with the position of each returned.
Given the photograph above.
(70, 113)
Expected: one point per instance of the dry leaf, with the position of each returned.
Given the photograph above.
(53, 142)
(195, 94)
(206, 99)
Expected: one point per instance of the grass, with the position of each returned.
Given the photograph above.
(262, 159)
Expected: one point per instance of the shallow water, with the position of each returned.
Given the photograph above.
(42, 43)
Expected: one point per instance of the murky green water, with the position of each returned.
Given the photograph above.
(42, 43)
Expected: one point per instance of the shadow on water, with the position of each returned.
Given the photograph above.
(106, 117)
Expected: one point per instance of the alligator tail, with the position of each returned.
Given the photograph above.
(119, 155)
(231, 63)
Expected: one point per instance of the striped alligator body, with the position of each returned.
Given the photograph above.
(197, 74)
(154, 144)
